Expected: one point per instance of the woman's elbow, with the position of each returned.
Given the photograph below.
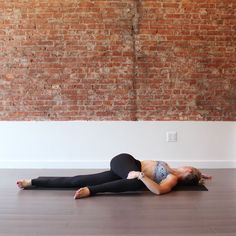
(163, 191)
(157, 192)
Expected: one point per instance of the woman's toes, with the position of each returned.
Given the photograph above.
(19, 183)
(23, 183)
(76, 196)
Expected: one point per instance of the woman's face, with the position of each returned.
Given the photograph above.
(189, 169)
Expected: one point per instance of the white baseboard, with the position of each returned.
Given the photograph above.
(105, 164)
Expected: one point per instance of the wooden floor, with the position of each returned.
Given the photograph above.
(55, 212)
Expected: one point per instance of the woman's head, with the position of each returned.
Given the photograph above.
(190, 176)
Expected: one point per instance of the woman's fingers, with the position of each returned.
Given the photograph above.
(133, 174)
(206, 176)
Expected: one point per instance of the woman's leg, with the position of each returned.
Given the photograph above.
(117, 186)
(121, 165)
(75, 181)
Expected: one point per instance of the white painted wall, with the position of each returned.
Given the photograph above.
(91, 144)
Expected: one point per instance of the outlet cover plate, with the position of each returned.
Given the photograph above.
(171, 136)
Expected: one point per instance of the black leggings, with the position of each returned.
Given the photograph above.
(113, 180)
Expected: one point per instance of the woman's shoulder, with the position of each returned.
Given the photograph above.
(172, 179)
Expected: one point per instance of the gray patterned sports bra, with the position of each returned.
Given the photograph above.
(160, 171)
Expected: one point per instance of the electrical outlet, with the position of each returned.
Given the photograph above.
(171, 136)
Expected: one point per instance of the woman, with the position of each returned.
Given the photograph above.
(126, 174)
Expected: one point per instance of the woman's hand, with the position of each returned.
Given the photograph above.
(133, 174)
(206, 176)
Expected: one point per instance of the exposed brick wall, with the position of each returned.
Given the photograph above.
(117, 60)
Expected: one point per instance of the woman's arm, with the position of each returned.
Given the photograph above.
(164, 187)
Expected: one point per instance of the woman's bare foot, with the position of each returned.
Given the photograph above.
(82, 192)
(24, 183)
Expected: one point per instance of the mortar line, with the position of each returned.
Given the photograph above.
(134, 32)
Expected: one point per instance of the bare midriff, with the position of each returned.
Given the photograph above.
(148, 168)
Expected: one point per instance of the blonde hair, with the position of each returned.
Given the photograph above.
(193, 178)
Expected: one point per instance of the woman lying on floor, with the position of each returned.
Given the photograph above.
(126, 174)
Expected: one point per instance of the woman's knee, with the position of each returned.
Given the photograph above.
(122, 164)
(120, 159)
